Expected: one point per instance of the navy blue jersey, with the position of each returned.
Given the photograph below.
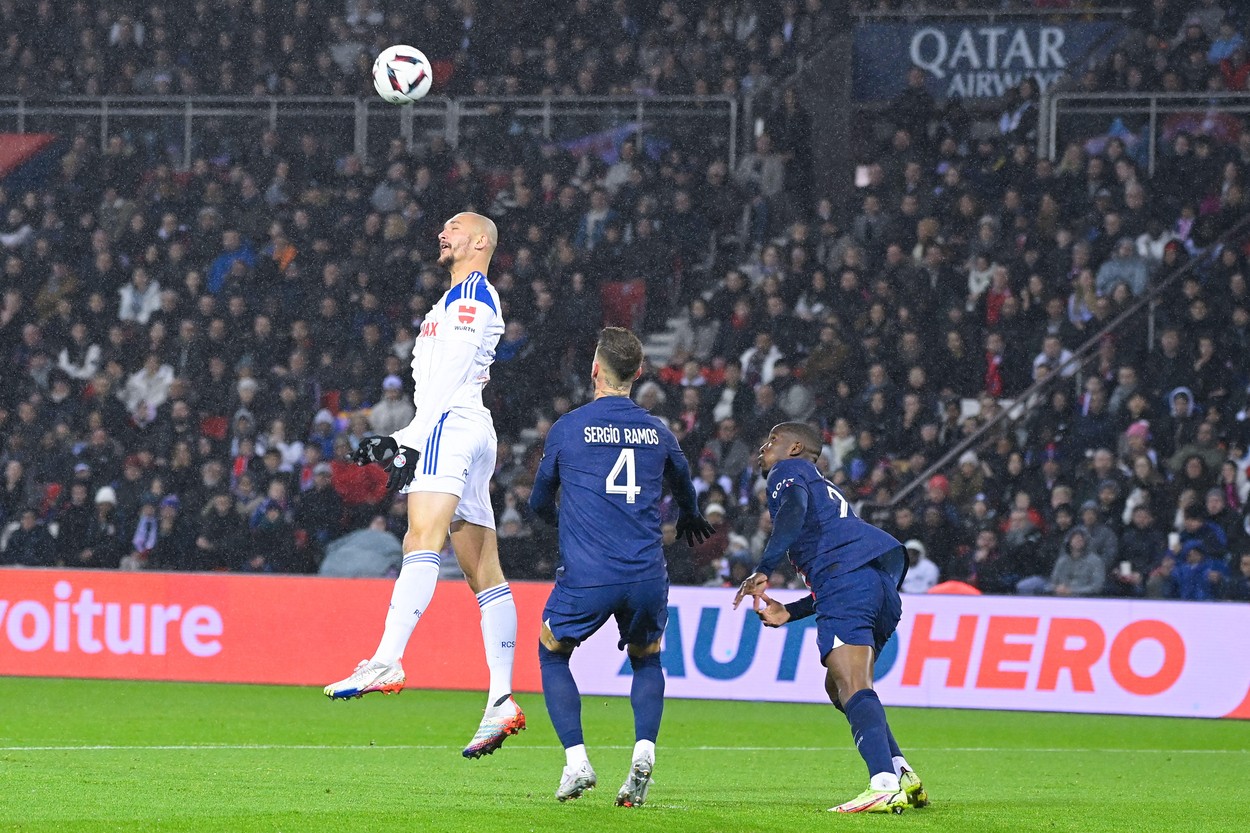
(833, 539)
(610, 459)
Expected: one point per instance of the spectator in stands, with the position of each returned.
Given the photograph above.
(221, 536)
(762, 170)
(1079, 570)
(394, 412)
(102, 541)
(1237, 589)
(1199, 576)
(922, 573)
(1124, 267)
(29, 544)
(140, 297)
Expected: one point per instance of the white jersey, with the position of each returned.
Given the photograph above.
(451, 357)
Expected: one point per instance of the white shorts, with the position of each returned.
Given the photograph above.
(459, 459)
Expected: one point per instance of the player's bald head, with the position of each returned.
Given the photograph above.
(802, 433)
(478, 224)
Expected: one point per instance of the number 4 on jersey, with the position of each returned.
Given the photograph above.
(629, 489)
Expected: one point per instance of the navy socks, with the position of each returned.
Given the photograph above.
(564, 701)
(871, 732)
(646, 695)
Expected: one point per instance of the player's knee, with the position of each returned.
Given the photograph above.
(846, 693)
(642, 651)
(415, 540)
(638, 663)
(546, 656)
(548, 644)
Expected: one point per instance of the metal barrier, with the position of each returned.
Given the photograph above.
(1072, 116)
(179, 130)
(991, 15)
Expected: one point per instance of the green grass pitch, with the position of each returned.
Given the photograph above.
(86, 756)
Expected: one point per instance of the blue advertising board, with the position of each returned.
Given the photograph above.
(973, 60)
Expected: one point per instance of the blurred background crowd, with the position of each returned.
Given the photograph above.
(191, 355)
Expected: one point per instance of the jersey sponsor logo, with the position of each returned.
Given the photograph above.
(429, 329)
(465, 313)
(781, 484)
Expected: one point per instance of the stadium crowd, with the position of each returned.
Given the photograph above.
(192, 355)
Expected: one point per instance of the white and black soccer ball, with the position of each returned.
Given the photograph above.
(402, 74)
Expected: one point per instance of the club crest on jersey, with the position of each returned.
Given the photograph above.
(467, 312)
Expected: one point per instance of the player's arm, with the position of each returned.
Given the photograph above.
(547, 481)
(787, 526)
(774, 614)
(691, 525)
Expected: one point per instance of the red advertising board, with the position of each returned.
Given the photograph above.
(299, 630)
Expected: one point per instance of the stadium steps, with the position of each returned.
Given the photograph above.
(658, 346)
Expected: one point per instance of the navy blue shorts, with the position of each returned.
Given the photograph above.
(861, 607)
(640, 609)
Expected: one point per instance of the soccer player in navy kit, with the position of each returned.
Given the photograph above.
(609, 459)
(854, 570)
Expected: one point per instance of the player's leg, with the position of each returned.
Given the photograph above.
(642, 625)
(849, 681)
(889, 612)
(429, 515)
(907, 777)
(564, 706)
(848, 621)
(571, 615)
(477, 550)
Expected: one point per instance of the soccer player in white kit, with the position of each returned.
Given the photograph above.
(444, 461)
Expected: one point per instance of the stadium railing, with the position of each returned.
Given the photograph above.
(1036, 392)
(1143, 121)
(992, 15)
(178, 129)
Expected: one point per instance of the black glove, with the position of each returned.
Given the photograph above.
(374, 450)
(694, 529)
(401, 468)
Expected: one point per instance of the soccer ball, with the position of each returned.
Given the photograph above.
(402, 74)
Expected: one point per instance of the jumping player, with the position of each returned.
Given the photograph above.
(609, 459)
(854, 570)
(443, 461)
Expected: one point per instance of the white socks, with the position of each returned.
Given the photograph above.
(412, 594)
(900, 764)
(413, 590)
(575, 756)
(644, 749)
(887, 781)
(499, 639)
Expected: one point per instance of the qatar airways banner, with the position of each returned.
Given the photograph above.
(1123, 657)
(972, 59)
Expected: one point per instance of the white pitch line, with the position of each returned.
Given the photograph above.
(244, 747)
